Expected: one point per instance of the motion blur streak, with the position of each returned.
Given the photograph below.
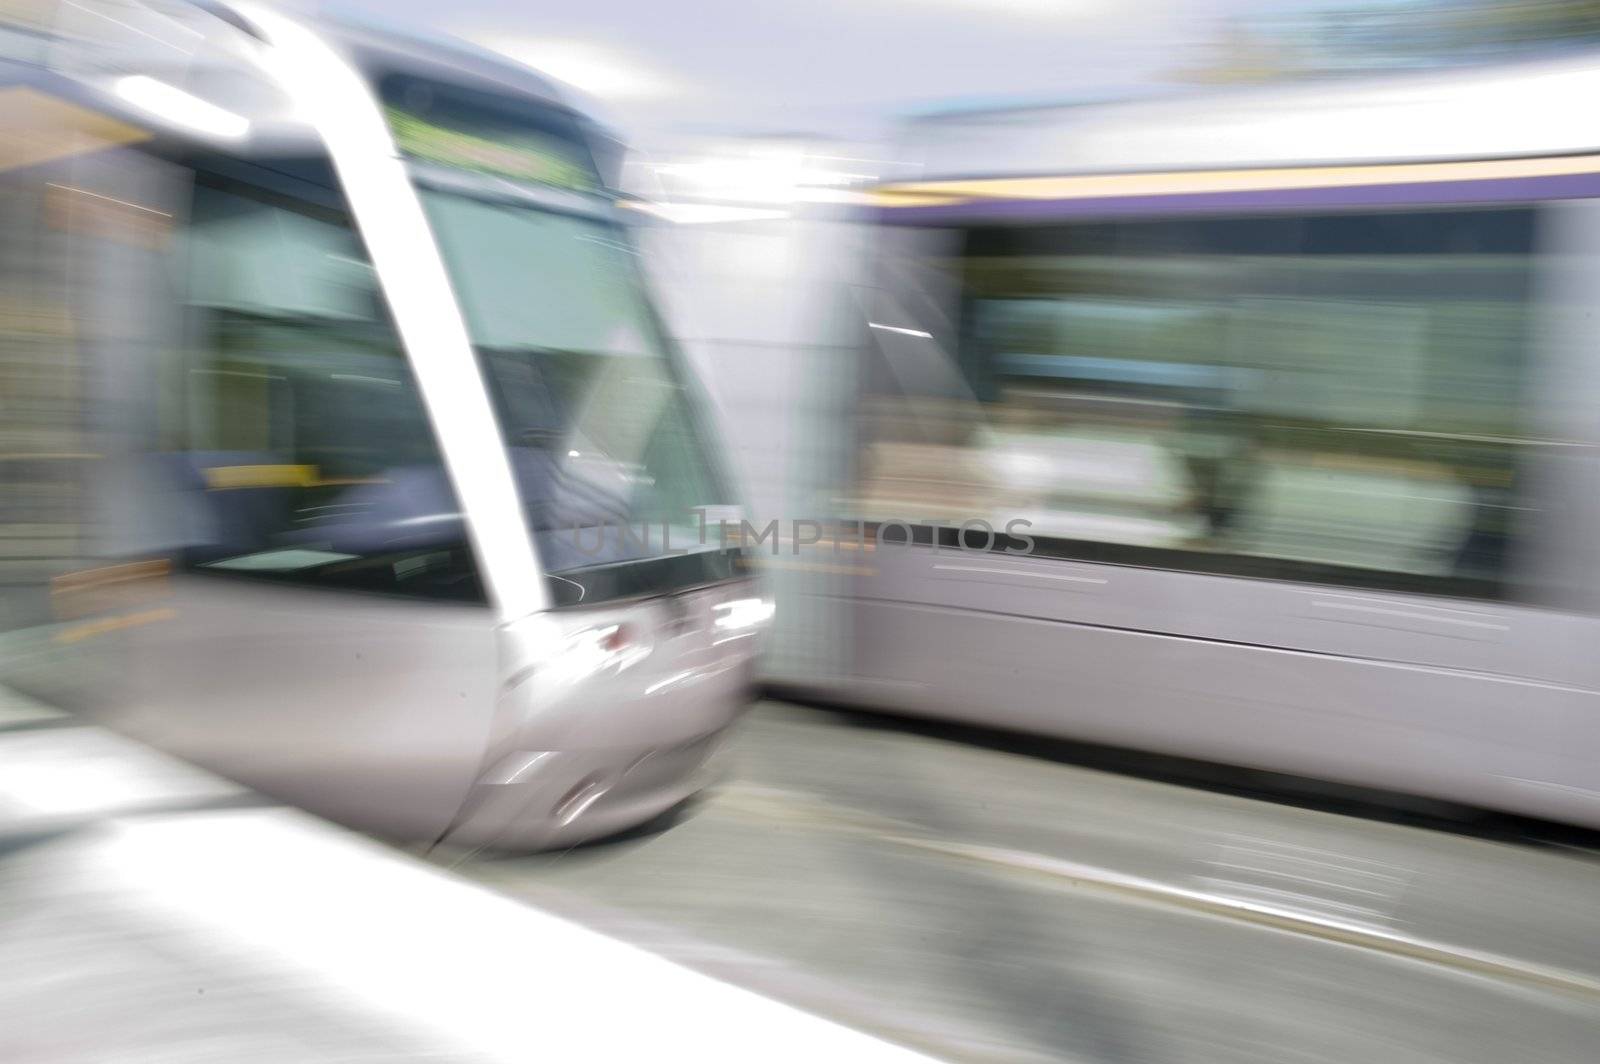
(1280, 916)
(386, 208)
(473, 969)
(915, 519)
(175, 105)
(1154, 184)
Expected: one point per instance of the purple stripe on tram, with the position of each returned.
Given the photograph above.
(1433, 193)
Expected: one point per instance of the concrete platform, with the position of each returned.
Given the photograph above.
(149, 912)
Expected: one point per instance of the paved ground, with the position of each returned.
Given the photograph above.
(152, 912)
(972, 898)
(993, 904)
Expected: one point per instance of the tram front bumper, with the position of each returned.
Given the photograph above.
(608, 716)
(570, 796)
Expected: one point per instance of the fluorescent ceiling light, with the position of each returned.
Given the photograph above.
(596, 70)
(172, 104)
(762, 174)
(706, 213)
(920, 334)
(1059, 11)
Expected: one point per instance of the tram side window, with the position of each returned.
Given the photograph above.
(1328, 398)
(303, 448)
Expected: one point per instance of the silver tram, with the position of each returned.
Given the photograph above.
(346, 454)
(1294, 392)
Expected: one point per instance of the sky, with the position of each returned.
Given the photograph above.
(834, 68)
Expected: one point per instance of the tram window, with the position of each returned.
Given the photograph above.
(596, 414)
(1330, 398)
(303, 445)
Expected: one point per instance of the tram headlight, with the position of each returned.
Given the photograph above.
(609, 648)
(742, 615)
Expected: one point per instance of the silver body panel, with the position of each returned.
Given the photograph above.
(416, 721)
(1236, 672)
(368, 710)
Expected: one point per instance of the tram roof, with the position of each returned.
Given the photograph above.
(1509, 111)
(203, 48)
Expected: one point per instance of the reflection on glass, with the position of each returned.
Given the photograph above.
(601, 428)
(1326, 398)
(300, 448)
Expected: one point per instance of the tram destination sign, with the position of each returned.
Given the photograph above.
(523, 155)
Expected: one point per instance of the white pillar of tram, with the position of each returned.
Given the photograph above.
(387, 211)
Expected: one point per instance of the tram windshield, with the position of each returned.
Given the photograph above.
(598, 420)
